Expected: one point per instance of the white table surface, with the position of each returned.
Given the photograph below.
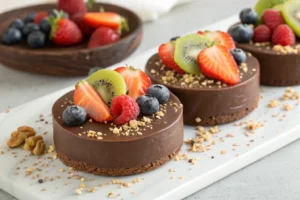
(276, 177)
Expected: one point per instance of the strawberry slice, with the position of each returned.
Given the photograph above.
(216, 62)
(166, 54)
(86, 97)
(109, 19)
(221, 37)
(137, 81)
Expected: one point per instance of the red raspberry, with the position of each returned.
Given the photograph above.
(272, 18)
(123, 109)
(262, 33)
(283, 35)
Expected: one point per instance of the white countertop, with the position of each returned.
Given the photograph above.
(275, 177)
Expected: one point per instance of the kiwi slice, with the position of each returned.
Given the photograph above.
(108, 84)
(187, 49)
(262, 5)
(291, 14)
(278, 7)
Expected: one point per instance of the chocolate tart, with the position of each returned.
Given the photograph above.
(112, 154)
(209, 102)
(68, 61)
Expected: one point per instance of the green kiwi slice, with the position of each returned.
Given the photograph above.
(291, 14)
(262, 5)
(187, 49)
(108, 84)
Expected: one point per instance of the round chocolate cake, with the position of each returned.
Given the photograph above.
(106, 149)
(206, 101)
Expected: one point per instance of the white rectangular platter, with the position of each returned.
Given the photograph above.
(187, 178)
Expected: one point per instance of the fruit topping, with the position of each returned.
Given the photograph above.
(40, 16)
(166, 54)
(36, 39)
(262, 33)
(248, 16)
(86, 97)
(187, 49)
(272, 18)
(291, 13)
(64, 31)
(160, 92)
(174, 38)
(17, 24)
(283, 35)
(79, 20)
(12, 36)
(45, 27)
(108, 84)
(220, 37)
(103, 36)
(241, 33)
(124, 109)
(262, 5)
(74, 115)
(55, 13)
(29, 28)
(29, 18)
(109, 19)
(137, 81)
(93, 70)
(238, 55)
(148, 105)
(72, 6)
(216, 62)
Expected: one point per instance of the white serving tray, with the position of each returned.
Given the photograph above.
(157, 184)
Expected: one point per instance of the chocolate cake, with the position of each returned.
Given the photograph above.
(110, 150)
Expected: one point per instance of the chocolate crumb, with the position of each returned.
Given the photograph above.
(40, 181)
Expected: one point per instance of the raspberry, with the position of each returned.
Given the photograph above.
(123, 109)
(283, 35)
(272, 18)
(262, 33)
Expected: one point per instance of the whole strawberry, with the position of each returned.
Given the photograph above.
(84, 27)
(64, 31)
(272, 18)
(103, 36)
(283, 35)
(72, 6)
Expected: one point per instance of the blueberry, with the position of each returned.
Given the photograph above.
(93, 70)
(248, 16)
(18, 24)
(29, 28)
(74, 115)
(29, 18)
(241, 33)
(238, 55)
(174, 38)
(12, 36)
(148, 105)
(45, 26)
(160, 92)
(36, 39)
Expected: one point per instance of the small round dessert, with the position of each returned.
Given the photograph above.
(208, 102)
(105, 149)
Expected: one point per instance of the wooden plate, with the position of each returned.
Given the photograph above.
(68, 61)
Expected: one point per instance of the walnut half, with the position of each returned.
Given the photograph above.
(30, 142)
(17, 138)
(40, 148)
(27, 130)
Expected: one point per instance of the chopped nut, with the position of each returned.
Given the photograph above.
(39, 148)
(116, 131)
(17, 138)
(273, 103)
(78, 191)
(198, 120)
(110, 195)
(133, 124)
(223, 151)
(27, 130)
(82, 185)
(30, 142)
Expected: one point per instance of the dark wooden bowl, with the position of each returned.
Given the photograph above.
(68, 61)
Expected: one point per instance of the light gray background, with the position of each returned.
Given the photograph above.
(275, 177)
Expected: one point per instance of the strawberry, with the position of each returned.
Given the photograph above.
(216, 62)
(103, 36)
(79, 20)
(64, 31)
(72, 6)
(86, 97)
(137, 81)
(40, 16)
(166, 54)
(109, 19)
(283, 35)
(221, 37)
(272, 18)
(262, 33)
